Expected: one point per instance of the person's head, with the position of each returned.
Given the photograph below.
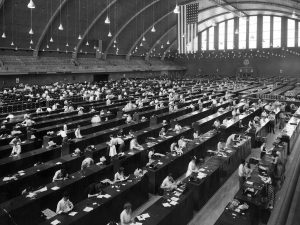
(63, 172)
(193, 158)
(236, 136)
(66, 196)
(243, 161)
(121, 170)
(182, 137)
(170, 176)
(163, 129)
(127, 207)
(111, 136)
(78, 126)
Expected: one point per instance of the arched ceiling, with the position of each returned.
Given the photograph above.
(130, 21)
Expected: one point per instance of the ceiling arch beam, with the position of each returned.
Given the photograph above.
(169, 47)
(124, 26)
(75, 53)
(158, 40)
(44, 32)
(146, 31)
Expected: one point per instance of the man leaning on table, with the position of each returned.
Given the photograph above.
(64, 205)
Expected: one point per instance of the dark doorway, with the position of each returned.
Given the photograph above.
(100, 77)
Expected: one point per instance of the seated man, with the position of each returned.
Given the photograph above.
(182, 143)
(94, 190)
(119, 176)
(64, 205)
(78, 133)
(135, 145)
(60, 175)
(168, 183)
(231, 141)
(162, 132)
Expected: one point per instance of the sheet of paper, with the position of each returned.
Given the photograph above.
(249, 182)
(55, 222)
(173, 203)
(166, 204)
(73, 213)
(106, 196)
(54, 188)
(130, 153)
(146, 215)
(87, 209)
(174, 199)
(43, 189)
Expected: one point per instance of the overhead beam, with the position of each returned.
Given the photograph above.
(227, 6)
(158, 41)
(92, 24)
(125, 25)
(167, 50)
(44, 32)
(145, 32)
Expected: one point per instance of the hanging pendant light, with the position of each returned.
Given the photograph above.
(87, 43)
(176, 10)
(144, 39)
(16, 48)
(162, 46)
(115, 41)
(153, 29)
(61, 27)
(12, 43)
(107, 20)
(57, 49)
(79, 37)
(67, 45)
(236, 31)
(141, 44)
(31, 42)
(294, 15)
(47, 46)
(95, 47)
(168, 42)
(3, 35)
(31, 31)
(51, 40)
(109, 34)
(31, 5)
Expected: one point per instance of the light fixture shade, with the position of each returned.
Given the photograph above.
(107, 20)
(109, 34)
(162, 46)
(168, 42)
(51, 40)
(61, 27)
(141, 44)
(31, 31)
(294, 15)
(47, 46)
(95, 47)
(31, 42)
(57, 49)
(79, 37)
(67, 45)
(115, 41)
(87, 43)
(236, 31)
(31, 5)
(144, 39)
(176, 10)
(153, 29)
(12, 43)
(3, 35)
(114, 46)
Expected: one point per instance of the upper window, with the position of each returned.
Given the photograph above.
(252, 32)
(242, 32)
(291, 29)
(211, 38)
(222, 36)
(266, 32)
(204, 40)
(276, 32)
(230, 34)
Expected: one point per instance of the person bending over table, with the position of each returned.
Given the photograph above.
(182, 143)
(192, 167)
(87, 162)
(94, 190)
(162, 132)
(231, 141)
(221, 145)
(242, 173)
(135, 145)
(196, 134)
(175, 148)
(168, 183)
(60, 175)
(119, 176)
(152, 156)
(64, 205)
(177, 127)
(126, 217)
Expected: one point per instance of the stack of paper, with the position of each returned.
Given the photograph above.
(201, 175)
(55, 222)
(166, 204)
(73, 213)
(54, 188)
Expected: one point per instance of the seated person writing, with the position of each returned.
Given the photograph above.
(64, 205)
(192, 167)
(177, 127)
(175, 148)
(135, 145)
(168, 183)
(119, 176)
(196, 134)
(87, 162)
(94, 190)
(231, 141)
(162, 132)
(60, 175)
(182, 143)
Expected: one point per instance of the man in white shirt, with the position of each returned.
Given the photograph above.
(77, 132)
(64, 205)
(135, 145)
(242, 173)
(168, 183)
(231, 140)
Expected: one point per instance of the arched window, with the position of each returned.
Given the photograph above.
(266, 32)
(242, 33)
(291, 29)
(230, 34)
